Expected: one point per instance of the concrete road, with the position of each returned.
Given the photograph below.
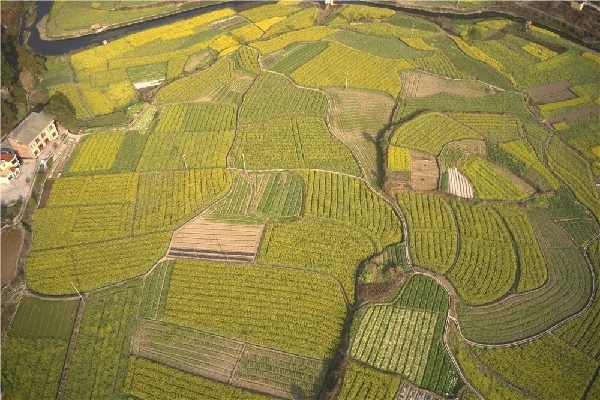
(19, 188)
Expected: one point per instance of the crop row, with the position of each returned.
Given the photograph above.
(423, 293)
(97, 152)
(196, 117)
(389, 30)
(229, 361)
(280, 371)
(291, 143)
(94, 189)
(32, 368)
(303, 19)
(303, 35)
(582, 332)
(361, 382)
(479, 55)
(398, 158)
(93, 265)
(439, 64)
(185, 150)
(262, 196)
(288, 60)
(522, 315)
(99, 362)
(167, 199)
(342, 66)
(432, 231)
(221, 74)
(72, 225)
(149, 380)
(275, 307)
(575, 172)
(489, 183)
(496, 127)
(156, 288)
(142, 122)
(429, 132)
(325, 247)
(395, 339)
(348, 200)
(486, 266)
(523, 151)
(43, 319)
(274, 96)
(532, 266)
(247, 60)
(526, 366)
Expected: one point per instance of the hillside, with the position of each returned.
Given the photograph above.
(293, 201)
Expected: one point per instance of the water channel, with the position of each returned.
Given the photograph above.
(62, 46)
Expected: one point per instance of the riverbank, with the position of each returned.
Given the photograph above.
(44, 31)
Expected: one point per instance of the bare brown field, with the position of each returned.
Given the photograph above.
(12, 238)
(213, 240)
(588, 112)
(557, 91)
(187, 349)
(418, 84)
(424, 171)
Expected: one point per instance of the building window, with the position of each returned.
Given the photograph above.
(37, 140)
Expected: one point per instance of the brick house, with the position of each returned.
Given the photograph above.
(9, 167)
(30, 137)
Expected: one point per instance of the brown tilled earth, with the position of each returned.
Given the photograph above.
(219, 237)
(418, 84)
(557, 91)
(424, 171)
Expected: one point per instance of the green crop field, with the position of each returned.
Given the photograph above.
(304, 300)
(361, 382)
(291, 143)
(405, 338)
(274, 96)
(100, 358)
(308, 245)
(566, 290)
(429, 132)
(295, 201)
(432, 231)
(486, 265)
(35, 347)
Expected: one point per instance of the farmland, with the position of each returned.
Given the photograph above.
(292, 201)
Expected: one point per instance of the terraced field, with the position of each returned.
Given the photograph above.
(293, 201)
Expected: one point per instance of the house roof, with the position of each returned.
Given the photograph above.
(31, 126)
(8, 172)
(7, 157)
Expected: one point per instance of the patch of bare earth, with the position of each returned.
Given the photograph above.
(194, 62)
(218, 241)
(424, 171)
(12, 239)
(588, 112)
(418, 85)
(557, 91)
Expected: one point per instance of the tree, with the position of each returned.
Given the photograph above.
(474, 33)
(60, 106)
(8, 73)
(9, 118)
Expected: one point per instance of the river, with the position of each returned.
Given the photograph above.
(62, 46)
